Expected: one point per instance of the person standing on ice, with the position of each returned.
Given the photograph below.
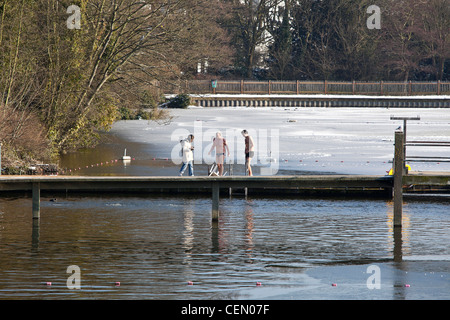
(249, 151)
(221, 146)
(188, 155)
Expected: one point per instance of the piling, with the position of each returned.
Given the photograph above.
(398, 177)
(215, 201)
(36, 200)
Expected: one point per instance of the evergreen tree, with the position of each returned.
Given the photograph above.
(280, 51)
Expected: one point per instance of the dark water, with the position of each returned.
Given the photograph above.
(154, 246)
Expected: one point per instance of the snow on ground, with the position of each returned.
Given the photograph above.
(334, 140)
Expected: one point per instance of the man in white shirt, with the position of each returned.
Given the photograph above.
(188, 155)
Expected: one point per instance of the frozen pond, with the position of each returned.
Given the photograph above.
(299, 140)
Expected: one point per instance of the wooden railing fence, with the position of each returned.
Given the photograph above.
(309, 87)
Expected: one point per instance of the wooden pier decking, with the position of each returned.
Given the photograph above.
(132, 183)
(344, 184)
(183, 184)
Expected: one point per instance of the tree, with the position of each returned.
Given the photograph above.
(248, 27)
(432, 28)
(331, 40)
(136, 40)
(76, 80)
(21, 133)
(313, 39)
(400, 48)
(280, 51)
(355, 46)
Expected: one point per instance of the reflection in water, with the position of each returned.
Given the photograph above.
(188, 238)
(249, 228)
(188, 232)
(399, 238)
(399, 277)
(398, 244)
(223, 232)
(214, 236)
(221, 235)
(35, 235)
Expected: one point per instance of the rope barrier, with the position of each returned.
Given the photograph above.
(99, 164)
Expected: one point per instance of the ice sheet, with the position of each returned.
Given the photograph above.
(337, 140)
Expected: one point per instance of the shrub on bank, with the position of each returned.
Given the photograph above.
(180, 101)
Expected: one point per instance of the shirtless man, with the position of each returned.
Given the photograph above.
(249, 151)
(221, 146)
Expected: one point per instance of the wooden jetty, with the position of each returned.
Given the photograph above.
(126, 184)
(318, 184)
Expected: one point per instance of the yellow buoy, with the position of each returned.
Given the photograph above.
(391, 172)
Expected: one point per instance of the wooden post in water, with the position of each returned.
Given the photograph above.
(398, 177)
(215, 201)
(36, 195)
(404, 132)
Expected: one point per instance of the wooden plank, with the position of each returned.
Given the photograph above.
(256, 182)
(427, 180)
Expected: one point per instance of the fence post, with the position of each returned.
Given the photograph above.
(214, 86)
(297, 86)
(439, 87)
(398, 177)
(381, 87)
(325, 86)
(353, 86)
(409, 87)
(242, 86)
(270, 87)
